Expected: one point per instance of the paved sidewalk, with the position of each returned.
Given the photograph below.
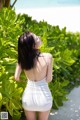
(70, 110)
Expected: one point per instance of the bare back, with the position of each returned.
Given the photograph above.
(41, 69)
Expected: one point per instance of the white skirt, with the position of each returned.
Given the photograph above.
(37, 96)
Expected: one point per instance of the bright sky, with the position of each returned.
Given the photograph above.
(55, 12)
(44, 3)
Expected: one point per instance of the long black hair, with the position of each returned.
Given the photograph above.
(26, 51)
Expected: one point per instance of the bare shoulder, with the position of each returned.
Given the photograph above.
(47, 55)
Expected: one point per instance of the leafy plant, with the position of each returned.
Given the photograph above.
(10, 92)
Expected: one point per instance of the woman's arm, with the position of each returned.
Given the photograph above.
(17, 72)
(49, 68)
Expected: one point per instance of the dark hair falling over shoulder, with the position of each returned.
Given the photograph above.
(27, 53)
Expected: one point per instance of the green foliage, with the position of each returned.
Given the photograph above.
(64, 46)
(10, 93)
(58, 93)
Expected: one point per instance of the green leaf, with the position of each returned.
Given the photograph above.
(65, 83)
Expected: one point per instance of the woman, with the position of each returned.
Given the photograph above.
(38, 70)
